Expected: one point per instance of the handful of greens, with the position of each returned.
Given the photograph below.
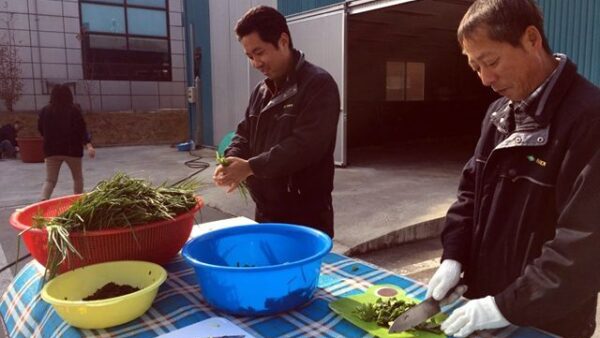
(242, 188)
(119, 202)
(384, 312)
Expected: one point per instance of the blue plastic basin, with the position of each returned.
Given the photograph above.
(258, 269)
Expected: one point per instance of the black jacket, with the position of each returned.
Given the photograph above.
(526, 225)
(8, 132)
(64, 131)
(289, 141)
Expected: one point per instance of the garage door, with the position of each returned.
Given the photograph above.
(321, 36)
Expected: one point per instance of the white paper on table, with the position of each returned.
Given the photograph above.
(203, 228)
(211, 327)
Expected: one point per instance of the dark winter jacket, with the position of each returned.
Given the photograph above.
(64, 131)
(8, 132)
(289, 141)
(526, 225)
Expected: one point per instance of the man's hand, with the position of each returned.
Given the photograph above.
(232, 174)
(477, 314)
(446, 277)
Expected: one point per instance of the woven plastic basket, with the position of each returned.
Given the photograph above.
(156, 242)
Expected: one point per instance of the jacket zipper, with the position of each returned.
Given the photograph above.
(256, 129)
(489, 159)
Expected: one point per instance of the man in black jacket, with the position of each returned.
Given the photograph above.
(525, 229)
(283, 149)
(8, 139)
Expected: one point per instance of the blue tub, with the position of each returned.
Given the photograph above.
(258, 269)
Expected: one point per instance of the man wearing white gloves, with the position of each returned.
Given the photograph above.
(525, 229)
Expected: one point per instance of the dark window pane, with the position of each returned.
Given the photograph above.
(106, 64)
(149, 3)
(118, 55)
(151, 45)
(102, 18)
(107, 1)
(108, 42)
(147, 22)
(100, 64)
(147, 66)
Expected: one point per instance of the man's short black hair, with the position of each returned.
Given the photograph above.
(504, 21)
(266, 21)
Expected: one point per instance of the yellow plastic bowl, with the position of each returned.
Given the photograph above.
(66, 292)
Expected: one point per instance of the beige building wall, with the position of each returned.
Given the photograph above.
(46, 34)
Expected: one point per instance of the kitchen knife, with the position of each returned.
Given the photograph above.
(424, 310)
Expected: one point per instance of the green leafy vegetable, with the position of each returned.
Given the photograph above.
(119, 202)
(242, 188)
(384, 312)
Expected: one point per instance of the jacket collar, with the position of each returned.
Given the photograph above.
(298, 58)
(290, 86)
(551, 99)
(533, 111)
(549, 103)
(537, 99)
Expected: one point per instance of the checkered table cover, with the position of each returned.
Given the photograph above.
(179, 303)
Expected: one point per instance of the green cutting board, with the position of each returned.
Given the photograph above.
(345, 307)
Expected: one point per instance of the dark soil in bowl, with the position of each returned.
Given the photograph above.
(111, 290)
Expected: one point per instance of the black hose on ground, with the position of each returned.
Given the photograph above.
(194, 163)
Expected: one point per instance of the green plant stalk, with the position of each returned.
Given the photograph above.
(242, 187)
(119, 202)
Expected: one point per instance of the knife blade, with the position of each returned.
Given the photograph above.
(416, 315)
(425, 310)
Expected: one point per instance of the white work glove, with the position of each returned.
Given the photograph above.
(477, 314)
(446, 277)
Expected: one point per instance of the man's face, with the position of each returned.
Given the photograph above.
(510, 71)
(272, 62)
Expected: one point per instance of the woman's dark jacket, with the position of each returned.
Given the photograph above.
(64, 131)
(289, 139)
(526, 225)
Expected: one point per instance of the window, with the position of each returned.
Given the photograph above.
(405, 81)
(125, 40)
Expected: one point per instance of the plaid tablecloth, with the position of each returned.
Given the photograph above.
(179, 303)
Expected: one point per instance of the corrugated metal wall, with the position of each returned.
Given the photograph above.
(288, 7)
(572, 28)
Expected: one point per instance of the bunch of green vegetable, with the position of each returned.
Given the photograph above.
(118, 202)
(243, 189)
(384, 312)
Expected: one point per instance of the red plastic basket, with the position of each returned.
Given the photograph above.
(157, 242)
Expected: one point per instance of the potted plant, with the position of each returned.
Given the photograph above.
(31, 149)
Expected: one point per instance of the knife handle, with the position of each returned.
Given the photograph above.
(453, 294)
